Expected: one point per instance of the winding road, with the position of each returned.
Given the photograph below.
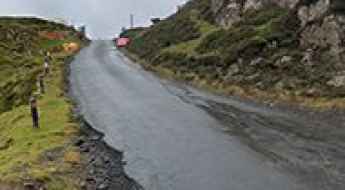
(168, 143)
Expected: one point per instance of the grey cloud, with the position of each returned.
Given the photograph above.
(104, 18)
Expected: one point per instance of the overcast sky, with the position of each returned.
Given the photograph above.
(104, 18)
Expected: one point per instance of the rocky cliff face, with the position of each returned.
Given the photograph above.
(321, 25)
(229, 12)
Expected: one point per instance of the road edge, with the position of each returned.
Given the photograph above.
(104, 165)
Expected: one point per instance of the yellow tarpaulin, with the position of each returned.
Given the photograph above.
(71, 47)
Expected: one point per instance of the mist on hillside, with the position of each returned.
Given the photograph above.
(103, 18)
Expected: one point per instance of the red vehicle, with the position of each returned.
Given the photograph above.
(122, 42)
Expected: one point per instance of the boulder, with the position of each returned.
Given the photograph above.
(312, 12)
(286, 59)
(257, 61)
(234, 69)
(308, 57)
(227, 12)
(337, 81)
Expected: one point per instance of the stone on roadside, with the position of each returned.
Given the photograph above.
(338, 81)
(311, 92)
(286, 59)
(102, 186)
(280, 85)
(256, 61)
(233, 70)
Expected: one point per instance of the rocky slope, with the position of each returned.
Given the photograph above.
(278, 49)
(320, 29)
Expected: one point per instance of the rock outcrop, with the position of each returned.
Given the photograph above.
(228, 12)
(322, 25)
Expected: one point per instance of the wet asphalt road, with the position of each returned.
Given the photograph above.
(168, 143)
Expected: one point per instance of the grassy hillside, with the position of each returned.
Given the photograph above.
(21, 57)
(260, 56)
(30, 155)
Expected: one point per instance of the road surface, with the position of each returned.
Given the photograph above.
(168, 143)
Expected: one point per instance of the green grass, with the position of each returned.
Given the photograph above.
(23, 151)
(22, 158)
(183, 29)
(189, 47)
(20, 57)
(185, 47)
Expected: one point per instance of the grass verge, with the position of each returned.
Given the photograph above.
(268, 96)
(44, 157)
(37, 154)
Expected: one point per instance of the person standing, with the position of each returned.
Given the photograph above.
(41, 84)
(34, 112)
(48, 56)
(46, 66)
